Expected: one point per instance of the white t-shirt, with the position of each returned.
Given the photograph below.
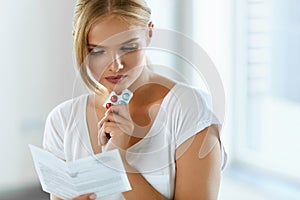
(184, 112)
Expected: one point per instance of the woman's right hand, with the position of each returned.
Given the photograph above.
(90, 196)
(118, 124)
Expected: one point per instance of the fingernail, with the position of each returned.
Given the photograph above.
(93, 196)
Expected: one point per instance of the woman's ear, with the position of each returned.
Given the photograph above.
(149, 32)
(150, 26)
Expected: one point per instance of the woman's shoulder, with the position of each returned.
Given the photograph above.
(176, 86)
(182, 93)
(189, 95)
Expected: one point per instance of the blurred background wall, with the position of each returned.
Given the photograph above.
(255, 45)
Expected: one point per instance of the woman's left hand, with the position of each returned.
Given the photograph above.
(118, 124)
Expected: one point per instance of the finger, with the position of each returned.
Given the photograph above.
(104, 131)
(100, 123)
(107, 128)
(118, 129)
(86, 197)
(121, 110)
(113, 118)
(102, 138)
(105, 118)
(118, 119)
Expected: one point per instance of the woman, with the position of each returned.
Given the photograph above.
(167, 136)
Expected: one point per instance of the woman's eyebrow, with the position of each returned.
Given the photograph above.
(99, 46)
(131, 40)
(94, 46)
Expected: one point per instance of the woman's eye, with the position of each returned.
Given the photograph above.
(129, 47)
(94, 52)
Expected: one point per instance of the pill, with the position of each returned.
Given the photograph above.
(114, 98)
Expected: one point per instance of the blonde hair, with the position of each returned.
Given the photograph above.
(88, 12)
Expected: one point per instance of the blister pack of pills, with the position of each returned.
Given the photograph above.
(117, 98)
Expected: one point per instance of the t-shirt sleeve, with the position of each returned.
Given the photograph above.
(194, 114)
(53, 135)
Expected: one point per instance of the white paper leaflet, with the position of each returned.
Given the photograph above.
(103, 174)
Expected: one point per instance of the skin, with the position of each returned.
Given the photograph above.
(195, 178)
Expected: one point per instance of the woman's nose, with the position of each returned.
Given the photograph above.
(116, 63)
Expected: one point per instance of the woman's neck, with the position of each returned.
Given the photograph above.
(144, 78)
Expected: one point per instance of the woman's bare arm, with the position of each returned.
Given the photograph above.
(196, 177)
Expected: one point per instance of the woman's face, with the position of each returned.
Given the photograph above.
(116, 56)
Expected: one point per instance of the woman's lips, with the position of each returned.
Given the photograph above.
(115, 79)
